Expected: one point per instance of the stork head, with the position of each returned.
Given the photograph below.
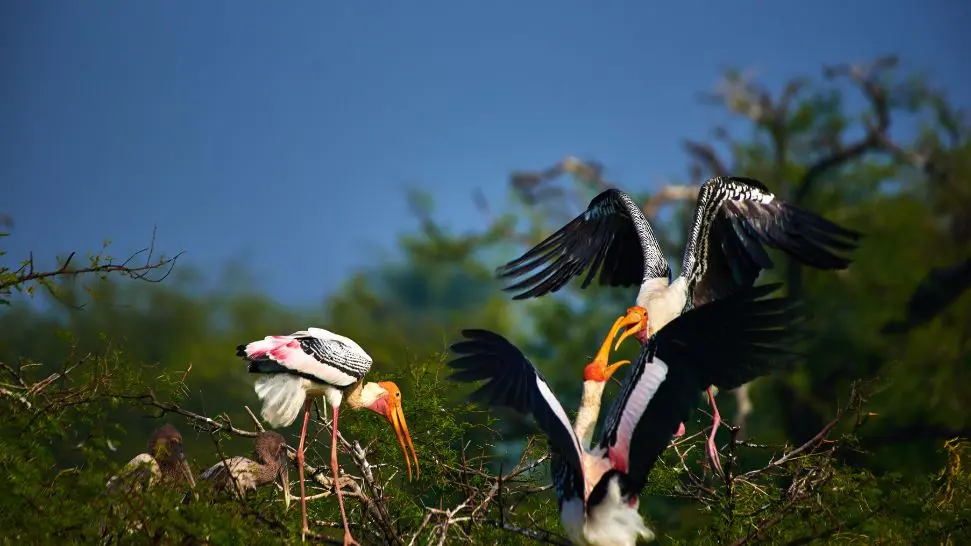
(636, 323)
(599, 370)
(271, 450)
(165, 446)
(385, 398)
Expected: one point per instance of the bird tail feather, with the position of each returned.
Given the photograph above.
(283, 396)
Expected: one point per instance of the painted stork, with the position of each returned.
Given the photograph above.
(733, 219)
(247, 474)
(316, 362)
(726, 343)
(164, 464)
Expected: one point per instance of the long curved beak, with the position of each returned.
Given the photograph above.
(636, 319)
(284, 474)
(396, 416)
(598, 369)
(184, 463)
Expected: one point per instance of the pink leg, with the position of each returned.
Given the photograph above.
(303, 435)
(716, 420)
(348, 539)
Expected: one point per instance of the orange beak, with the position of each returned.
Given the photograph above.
(598, 370)
(396, 416)
(636, 319)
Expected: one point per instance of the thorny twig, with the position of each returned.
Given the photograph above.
(375, 503)
(225, 462)
(475, 507)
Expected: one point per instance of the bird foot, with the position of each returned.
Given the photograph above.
(349, 540)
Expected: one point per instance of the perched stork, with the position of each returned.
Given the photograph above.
(317, 362)
(726, 343)
(733, 218)
(247, 474)
(164, 464)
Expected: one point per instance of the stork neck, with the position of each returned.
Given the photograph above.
(171, 471)
(268, 471)
(586, 419)
(353, 395)
(664, 302)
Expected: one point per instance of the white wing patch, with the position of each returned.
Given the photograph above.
(650, 380)
(558, 410)
(291, 355)
(283, 396)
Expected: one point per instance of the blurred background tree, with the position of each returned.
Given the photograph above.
(901, 314)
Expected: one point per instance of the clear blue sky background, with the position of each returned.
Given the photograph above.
(287, 132)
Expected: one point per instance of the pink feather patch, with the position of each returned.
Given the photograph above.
(282, 351)
(275, 346)
(618, 459)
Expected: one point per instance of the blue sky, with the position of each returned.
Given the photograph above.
(288, 134)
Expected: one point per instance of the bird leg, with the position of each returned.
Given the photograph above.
(716, 420)
(303, 494)
(598, 369)
(348, 539)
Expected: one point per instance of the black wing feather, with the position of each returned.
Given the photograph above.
(603, 241)
(742, 224)
(726, 343)
(512, 381)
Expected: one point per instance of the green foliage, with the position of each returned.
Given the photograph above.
(86, 381)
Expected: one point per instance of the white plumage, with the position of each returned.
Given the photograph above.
(282, 396)
(614, 521)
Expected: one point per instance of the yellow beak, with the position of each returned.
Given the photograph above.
(396, 416)
(636, 319)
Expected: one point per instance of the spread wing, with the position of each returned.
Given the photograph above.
(611, 238)
(734, 218)
(513, 382)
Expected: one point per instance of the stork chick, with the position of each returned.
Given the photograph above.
(247, 474)
(164, 464)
